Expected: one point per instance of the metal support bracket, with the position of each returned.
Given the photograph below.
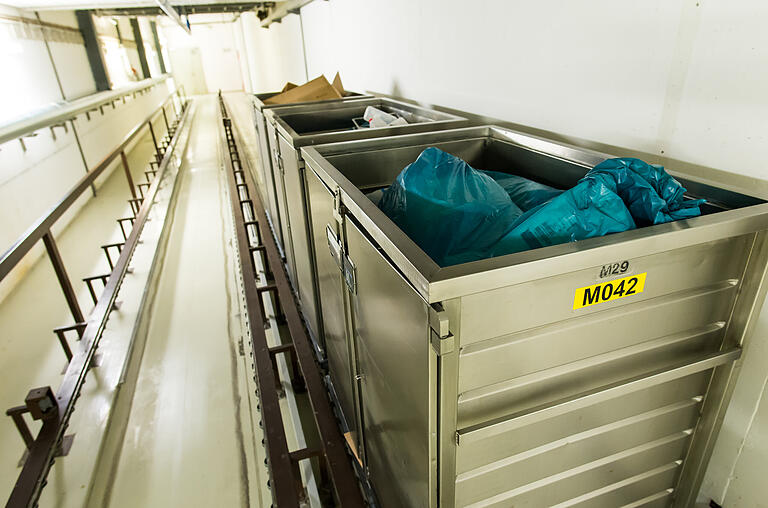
(297, 381)
(60, 334)
(442, 345)
(338, 207)
(41, 404)
(279, 315)
(443, 341)
(115, 246)
(53, 127)
(121, 222)
(89, 282)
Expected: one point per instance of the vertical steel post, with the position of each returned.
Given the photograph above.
(61, 274)
(154, 140)
(124, 159)
(16, 413)
(93, 49)
(173, 105)
(158, 48)
(165, 119)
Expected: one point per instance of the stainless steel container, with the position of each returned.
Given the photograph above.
(488, 383)
(266, 175)
(291, 127)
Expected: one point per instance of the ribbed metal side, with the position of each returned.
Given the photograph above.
(595, 406)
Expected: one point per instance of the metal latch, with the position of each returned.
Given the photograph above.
(343, 261)
(443, 341)
(276, 152)
(338, 207)
(279, 160)
(349, 274)
(334, 245)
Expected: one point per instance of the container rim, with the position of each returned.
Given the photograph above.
(435, 283)
(442, 120)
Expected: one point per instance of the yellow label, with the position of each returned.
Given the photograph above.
(609, 290)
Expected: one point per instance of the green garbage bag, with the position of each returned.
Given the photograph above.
(454, 212)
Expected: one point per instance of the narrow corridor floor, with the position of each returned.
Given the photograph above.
(189, 440)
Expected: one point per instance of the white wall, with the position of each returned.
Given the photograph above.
(29, 80)
(72, 60)
(213, 43)
(235, 55)
(275, 53)
(238, 35)
(683, 81)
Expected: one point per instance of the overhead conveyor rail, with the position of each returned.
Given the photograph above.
(185, 9)
(58, 114)
(54, 409)
(255, 239)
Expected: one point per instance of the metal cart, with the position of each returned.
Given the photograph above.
(266, 176)
(496, 382)
(291, 127)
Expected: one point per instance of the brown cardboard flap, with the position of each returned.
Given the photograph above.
(288, 86)
(337, 85)
(316, 90)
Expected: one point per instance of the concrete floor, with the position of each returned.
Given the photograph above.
(189, 439)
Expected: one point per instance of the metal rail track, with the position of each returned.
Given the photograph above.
(254, 238)
(55, 409)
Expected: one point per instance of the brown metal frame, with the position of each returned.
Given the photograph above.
(333, 457)
(22, 246)
(55, 410)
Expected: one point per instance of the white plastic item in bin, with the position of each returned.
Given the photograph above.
(378, 118)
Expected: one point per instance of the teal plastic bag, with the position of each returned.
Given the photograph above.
(651, 194)
(589, 209)
(616, 195)
(454, 212)
(525, 193)
(458, 214)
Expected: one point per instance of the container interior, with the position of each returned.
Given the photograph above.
(337, 118)
(376, 169)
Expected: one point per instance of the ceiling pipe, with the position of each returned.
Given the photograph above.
(283, 9)
(169, 11)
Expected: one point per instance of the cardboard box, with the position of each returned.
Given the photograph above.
(316, 90)
(336, 84)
